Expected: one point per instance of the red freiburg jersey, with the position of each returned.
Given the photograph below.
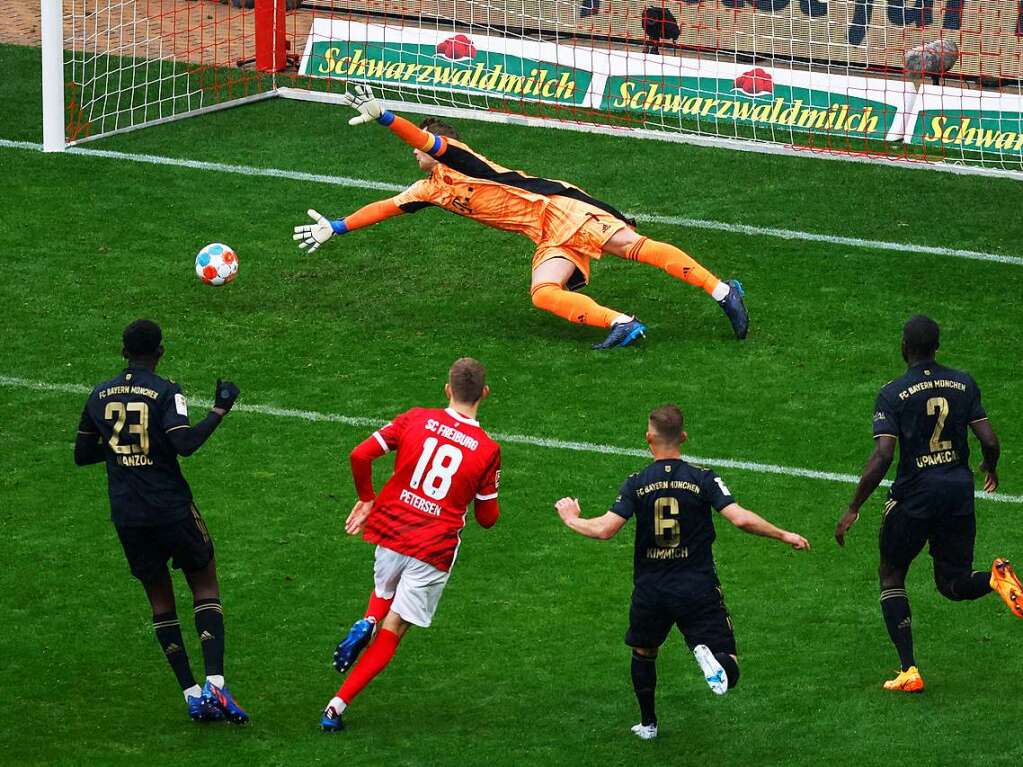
(444, 462)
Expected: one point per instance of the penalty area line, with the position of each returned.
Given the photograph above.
(517, 439)
(748, 230)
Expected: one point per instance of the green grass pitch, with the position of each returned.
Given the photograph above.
(525, 663)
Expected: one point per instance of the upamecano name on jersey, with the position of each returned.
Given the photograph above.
(943, 458)
(453, 434)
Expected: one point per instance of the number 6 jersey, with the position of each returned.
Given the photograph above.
(444, 462)
(672, 502)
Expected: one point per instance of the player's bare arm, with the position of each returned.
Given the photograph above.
(991, 450)
(877, 466)
(601, 528)
(752, 523)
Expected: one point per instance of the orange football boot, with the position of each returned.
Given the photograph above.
(907, 681)
(1005, 582)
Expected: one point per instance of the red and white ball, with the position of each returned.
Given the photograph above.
(216, 264)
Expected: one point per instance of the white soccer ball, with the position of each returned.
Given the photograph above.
(216, 264)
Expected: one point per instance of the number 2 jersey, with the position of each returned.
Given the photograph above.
(444, 462)
(672, 502)
(132, 414)
(928, 410)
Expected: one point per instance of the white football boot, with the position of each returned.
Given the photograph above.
(713, 672)
(645, 731)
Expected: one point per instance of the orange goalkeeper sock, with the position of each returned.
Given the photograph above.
(674, 261)
(378, 655)
(573, 307)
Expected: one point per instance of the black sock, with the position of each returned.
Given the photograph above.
(972, 586)
(644, 682)
(168, 634)
(209, 623)
(898, 619)
(731, 668)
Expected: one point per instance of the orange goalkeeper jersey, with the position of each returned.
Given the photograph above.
(467, 183)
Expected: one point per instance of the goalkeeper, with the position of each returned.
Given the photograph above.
(568, 226)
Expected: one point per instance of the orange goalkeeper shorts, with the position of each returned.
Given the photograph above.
(576, 231)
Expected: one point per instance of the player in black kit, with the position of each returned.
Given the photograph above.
(138, 423)
(928, 410)
(675, 579)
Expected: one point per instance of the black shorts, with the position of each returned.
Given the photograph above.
(951, 535)
(186, 542)
(702, 620)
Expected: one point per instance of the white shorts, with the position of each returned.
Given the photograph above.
(415, 585)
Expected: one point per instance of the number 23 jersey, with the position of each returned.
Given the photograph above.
(132, 414)
(444, 462)
(672, 503)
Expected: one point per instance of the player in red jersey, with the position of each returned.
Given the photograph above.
(444, 462)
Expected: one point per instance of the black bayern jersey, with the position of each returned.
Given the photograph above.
(928, 410)
(672, 502)
(132, 413)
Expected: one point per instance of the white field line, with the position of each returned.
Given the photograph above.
(691, 223)
(519, 439)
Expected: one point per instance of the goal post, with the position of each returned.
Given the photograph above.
(111, 66)
(52, 32)
(926, 83)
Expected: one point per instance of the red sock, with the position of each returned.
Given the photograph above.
(376, 658)
(378, 607)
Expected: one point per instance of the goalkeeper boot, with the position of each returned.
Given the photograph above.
(735, 309)
(348, 649)
(907, 681)
(623, 334)
(1005, 582)
(331, 720)
(219, 698)
(645, 731)
(713, 672)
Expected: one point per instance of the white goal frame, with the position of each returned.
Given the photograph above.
(55, 117)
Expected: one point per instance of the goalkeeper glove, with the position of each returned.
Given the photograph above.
(226, 394)
(312, 236)
(369, 108)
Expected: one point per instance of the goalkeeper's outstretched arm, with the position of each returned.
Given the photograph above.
(312, 236)
(361, 98)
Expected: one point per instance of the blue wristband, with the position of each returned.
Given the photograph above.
(339, 226)
(386, 118)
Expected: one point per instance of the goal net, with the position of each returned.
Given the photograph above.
(930, 81)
